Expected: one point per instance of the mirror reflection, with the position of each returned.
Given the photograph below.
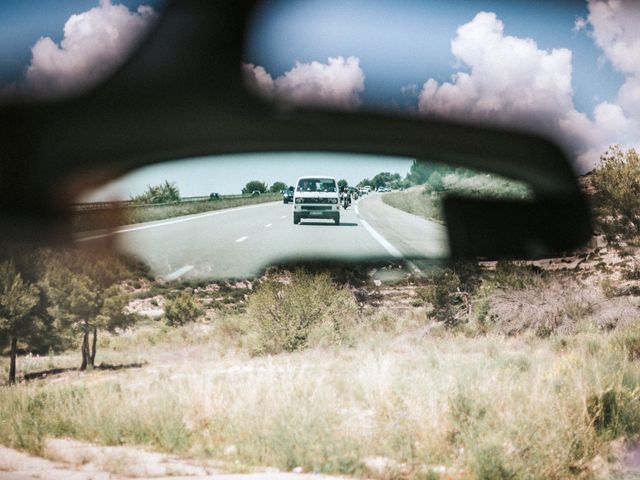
(231, 216)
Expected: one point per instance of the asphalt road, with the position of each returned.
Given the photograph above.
(240, 242)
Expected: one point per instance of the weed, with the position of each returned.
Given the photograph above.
(311, 310)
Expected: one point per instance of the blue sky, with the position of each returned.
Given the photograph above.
(228, 174)
(401, 42)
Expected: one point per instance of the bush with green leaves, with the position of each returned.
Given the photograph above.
(616, 180)
(255, 186)
(166, 192)
(449, 292)
(183, 309)
(277, 187)
(310, 310)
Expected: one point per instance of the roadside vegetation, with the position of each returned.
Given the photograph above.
(166, 192)
(425, 200)
(491, 370)
(88, 220)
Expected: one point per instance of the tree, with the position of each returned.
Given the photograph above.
(616, 180)
(255, 185)
(365, 182)
(277, 187)
(435, 183)
(166, 192)
(382, 179)
(420, 172)
(342, 183)
(17, 300)
(85, 297)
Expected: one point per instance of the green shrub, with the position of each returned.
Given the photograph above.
(310, 310)
(629, 341)
(166, 192)
(449, 292)
(489, 465)
(614, 412)
(435, 183)
(617, 183)
(182, 309)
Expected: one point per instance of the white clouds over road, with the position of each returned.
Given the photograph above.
(512, 81)
(337, 83)
(94, 43)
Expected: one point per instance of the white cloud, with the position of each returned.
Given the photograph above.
(510, 78)
(94, 43)
(615, 31)
(337, 83)
(512, 81)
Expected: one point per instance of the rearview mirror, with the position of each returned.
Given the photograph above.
(231, 216)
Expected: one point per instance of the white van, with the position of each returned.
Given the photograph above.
(316, 197)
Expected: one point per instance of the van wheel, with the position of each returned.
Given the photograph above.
(296, 220)
(337, 220)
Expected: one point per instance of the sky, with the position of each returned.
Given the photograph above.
(202, 176)
(568, 69)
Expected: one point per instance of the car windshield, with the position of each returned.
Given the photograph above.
(317, 185)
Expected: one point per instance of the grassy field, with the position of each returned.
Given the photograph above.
(406, 400)
(425, 200)
(416, 201)
(87, 220)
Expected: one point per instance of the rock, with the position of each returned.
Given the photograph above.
(297, 470)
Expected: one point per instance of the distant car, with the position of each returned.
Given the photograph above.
(287, 195)
(255, 193)
(214, 196)
(316, 197)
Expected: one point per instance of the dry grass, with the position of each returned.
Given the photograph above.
(416, 201)
(422, 399)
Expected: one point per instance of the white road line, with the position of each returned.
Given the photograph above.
(241, 239)
(393, 251)
(169, 222)
(283, 216)
(267, 225)
(178, 273)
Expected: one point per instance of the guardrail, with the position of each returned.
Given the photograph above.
(133, 204)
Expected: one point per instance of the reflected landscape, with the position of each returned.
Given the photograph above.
(232, 216)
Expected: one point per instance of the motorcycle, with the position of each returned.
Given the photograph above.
(345, 199)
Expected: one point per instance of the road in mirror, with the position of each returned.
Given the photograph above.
(231, 216)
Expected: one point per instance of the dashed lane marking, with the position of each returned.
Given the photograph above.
(170, 222)
(241, 239)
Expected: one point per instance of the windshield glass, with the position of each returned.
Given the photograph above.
(316, 185)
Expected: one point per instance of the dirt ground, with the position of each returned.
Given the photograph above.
(65, 459)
